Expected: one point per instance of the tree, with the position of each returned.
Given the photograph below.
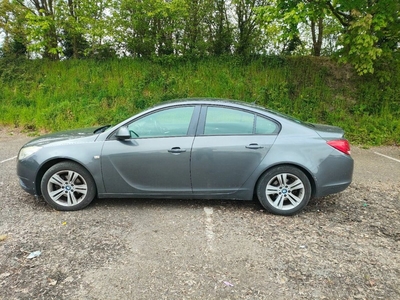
(367, 29)
(290, 19)
(42, 27)
(12, 19)
(151, 27)
(56, 28)
(370, 29)
(248, 26)
(73, 29)
(219, 29)
(198, 33)
(98, 27)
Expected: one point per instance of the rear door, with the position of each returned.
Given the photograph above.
(229, 146)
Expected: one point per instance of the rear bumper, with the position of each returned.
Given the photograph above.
(333, 189)
(335, 174)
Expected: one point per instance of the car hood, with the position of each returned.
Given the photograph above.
(63, 136)
(328, 131)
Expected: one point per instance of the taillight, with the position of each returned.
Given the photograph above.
(341, 145)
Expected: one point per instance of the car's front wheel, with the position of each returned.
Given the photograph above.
(68, 186)
(284, 190)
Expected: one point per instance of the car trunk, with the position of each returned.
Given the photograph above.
(328, 132)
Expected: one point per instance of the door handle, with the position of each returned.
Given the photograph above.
(176, 150)
(254, 146)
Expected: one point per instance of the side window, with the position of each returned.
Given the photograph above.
(165, 123)
(226, 121)
(265, 126)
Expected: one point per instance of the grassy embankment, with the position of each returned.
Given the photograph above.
(43, 95)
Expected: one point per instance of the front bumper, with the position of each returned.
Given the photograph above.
(27, 171)
(28, 185)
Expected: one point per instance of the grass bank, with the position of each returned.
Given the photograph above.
(44, 95)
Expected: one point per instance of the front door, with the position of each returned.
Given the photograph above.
(155, 160)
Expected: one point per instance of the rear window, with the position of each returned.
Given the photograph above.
(228, 121)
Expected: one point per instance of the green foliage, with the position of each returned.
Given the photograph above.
(41, 33)
(361, 45)
(370, 29)
(12, 19)
(365, 30)
(249, 38)
(286, 21)
(48, 95)
(357, 32)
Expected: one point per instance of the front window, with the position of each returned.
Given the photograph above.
(165, 123)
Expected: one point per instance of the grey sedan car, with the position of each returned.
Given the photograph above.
(191, 148)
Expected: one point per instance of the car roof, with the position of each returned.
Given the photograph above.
(214, 101)
(278, 116)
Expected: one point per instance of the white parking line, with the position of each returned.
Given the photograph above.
(209, 227)
(387, 156)
(3, 161)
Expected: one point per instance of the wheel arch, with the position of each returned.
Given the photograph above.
(43, 169)
(301, 168)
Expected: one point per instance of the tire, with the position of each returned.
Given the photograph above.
(284, 190)
(68, 186)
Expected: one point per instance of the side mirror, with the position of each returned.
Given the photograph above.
(123, 133)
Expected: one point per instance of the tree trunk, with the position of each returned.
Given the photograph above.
(317, 36)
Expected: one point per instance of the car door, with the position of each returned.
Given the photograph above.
(156, 159)
(229, 146)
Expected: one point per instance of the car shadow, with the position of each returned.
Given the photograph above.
(320, 205)
(140, 203)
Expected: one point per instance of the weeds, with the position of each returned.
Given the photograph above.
(67, 94)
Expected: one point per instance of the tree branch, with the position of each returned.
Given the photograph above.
(341, 17)
(21, 2)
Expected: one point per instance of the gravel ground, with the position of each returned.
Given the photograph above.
(345, 246)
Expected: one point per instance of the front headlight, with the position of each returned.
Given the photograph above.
(27, 151)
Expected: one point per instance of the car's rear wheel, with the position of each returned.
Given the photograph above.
(284, 190)
(68, 186)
